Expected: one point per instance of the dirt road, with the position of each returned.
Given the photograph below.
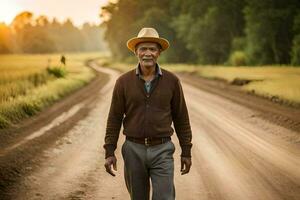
(236, 154)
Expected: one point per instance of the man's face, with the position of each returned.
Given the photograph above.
(147, 53)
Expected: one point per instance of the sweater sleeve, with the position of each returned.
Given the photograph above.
(181, 120)
(115, 118)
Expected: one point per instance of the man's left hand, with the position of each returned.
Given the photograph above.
(186, 163)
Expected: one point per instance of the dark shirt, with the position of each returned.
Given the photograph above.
(148, 114)
(148, 84)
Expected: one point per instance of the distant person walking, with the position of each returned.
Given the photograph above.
(63, 60)
(147, 100)
(48, 62)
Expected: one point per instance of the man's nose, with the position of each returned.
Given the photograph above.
(148, 52)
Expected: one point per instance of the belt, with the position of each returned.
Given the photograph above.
(149, 141)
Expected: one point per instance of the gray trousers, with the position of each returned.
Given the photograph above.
(142, 164)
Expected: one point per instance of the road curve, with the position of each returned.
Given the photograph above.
(236, 156)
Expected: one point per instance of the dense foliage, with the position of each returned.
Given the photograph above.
(236, 32)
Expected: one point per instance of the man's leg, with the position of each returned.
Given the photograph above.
(135, 170)
(162, 171)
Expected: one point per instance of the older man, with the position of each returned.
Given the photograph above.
(147, 100)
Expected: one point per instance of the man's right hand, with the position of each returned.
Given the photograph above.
(110, 161)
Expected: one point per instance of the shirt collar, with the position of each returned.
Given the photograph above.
(158, 71)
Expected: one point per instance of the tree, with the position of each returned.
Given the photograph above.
(125, 18)
(119, 19)
(5, 39)
(296, 41)
(30, 34)
(208, 27)
(269, 30)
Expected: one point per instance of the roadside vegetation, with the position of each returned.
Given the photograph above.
(274, 82)
(208, 32)
(30, 83)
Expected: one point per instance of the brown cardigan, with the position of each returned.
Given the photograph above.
(148, 115)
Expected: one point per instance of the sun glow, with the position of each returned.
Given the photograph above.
(8, 10)
(79, 11)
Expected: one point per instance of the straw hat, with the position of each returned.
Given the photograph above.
(147, 35)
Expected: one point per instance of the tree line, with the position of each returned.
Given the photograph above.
(235, 32)
(29, 34)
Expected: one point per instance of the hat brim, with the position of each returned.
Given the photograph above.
(134, 41)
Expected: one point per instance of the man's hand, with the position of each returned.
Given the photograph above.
(112, 160)
(186, 163)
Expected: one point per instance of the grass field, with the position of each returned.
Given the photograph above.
(274, 82)
(269, 81)
(29, 83)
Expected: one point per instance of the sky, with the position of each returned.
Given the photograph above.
(79, 11)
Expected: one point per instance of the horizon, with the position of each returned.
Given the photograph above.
(79, 11)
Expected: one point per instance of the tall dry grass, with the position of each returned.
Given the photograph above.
(27, 85)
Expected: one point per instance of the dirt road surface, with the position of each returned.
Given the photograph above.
(237, 155)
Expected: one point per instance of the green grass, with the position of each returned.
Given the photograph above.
(269, 81)
(29, 83)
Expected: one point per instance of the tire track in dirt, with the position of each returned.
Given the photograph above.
(244, 160)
